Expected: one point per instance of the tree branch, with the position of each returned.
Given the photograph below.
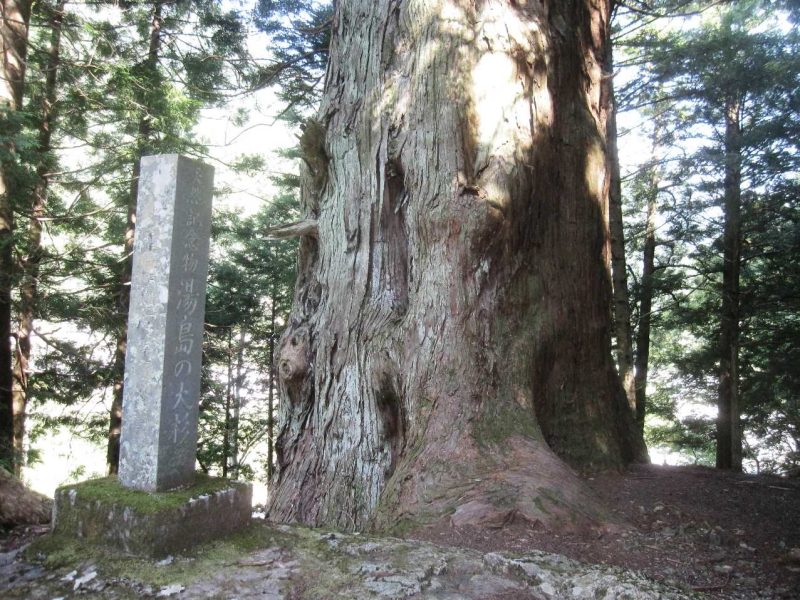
(296, 229)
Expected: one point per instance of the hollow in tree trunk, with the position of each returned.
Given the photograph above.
(450, 334)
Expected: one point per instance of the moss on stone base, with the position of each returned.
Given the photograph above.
(151, 524)
(59, 552)
(109, 490)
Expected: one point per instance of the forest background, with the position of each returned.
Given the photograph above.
(705, 230)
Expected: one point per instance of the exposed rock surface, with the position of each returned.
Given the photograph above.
(725, 536)
(292, 563)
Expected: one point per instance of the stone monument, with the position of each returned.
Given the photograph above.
(165, 324)
(159, 505)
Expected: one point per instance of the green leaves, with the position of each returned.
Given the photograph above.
(248, 301)
(692, 70)
(300, 33)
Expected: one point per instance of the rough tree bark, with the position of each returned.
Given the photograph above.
(729, 431)
(451, 323)
(144, 132)
(20, 505)
(14, 19)
(31, 261)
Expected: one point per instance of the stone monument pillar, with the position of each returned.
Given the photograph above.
(165, 324)
(162, 386)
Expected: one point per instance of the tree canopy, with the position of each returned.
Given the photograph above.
(707, 101)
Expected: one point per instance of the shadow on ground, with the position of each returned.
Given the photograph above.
(694, 533)
(293, 562)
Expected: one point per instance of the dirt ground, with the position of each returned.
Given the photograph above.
(723, 534)
(718, 533)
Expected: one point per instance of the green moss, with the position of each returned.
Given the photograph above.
(400, 558)
(109, 491)
(64, 552)
(539, 503)
(401, 527)
(55, 551)
(502, 420)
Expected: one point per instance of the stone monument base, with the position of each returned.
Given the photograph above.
(103, 512)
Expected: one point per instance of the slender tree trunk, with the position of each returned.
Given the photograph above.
(451, 322)
(619, 273)
(645, 309)
(237, 403)
(226, 436)
(16, 15)
(642, 363)
(729, 434)
(14, 21)
(30, 263)
(123, 302)
(142, 142)
(271, 391)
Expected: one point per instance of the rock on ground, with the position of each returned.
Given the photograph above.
(292, 563)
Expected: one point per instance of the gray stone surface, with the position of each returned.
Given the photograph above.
(152, 527)
(165, 323)
(289, 563)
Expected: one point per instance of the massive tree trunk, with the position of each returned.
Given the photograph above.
(30, 263)
(20, 505)
(729, 433)
(143, 135)
(14, 20)
(451, 324)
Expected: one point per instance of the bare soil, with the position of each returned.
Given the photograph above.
(723, 534)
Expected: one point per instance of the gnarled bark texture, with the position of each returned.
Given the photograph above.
(451, 322)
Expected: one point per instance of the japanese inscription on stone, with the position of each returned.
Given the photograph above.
(165, 323)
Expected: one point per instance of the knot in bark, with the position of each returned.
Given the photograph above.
(294, 359)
